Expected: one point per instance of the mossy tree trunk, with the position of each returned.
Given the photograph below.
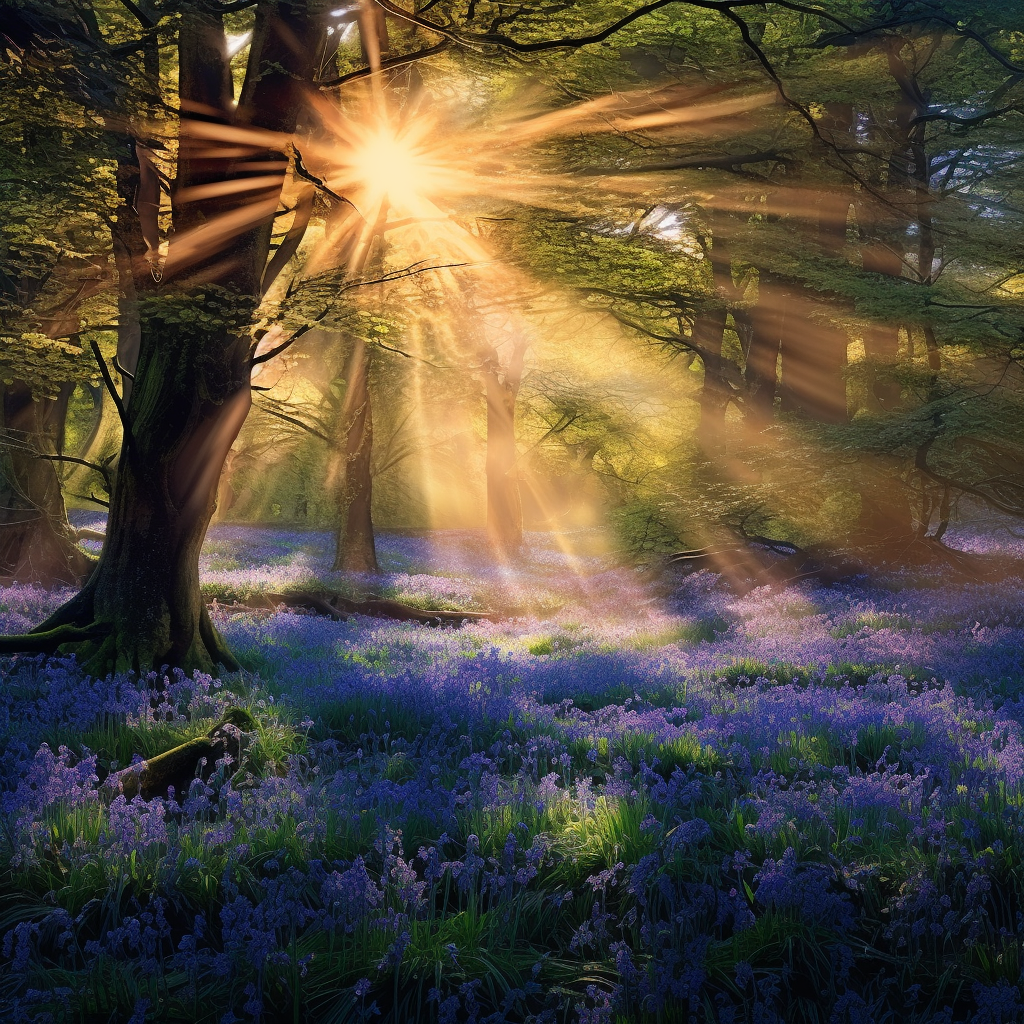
(190, 398)
(142, 607)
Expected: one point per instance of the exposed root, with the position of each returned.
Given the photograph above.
(49, 641)
(102, 647)
(761, 561)
(214, 642)
(341, 608)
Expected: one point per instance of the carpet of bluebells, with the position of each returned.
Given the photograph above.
(638, 797)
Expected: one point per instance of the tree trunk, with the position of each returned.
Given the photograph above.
(709, 335)
(814, 350)
(355, 550)
(504, 502)
(882, 340)
(813, 360)
(767, 320)
(36, 542)
(882, 252)
(190, 398)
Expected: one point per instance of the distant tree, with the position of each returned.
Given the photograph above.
(53, 271)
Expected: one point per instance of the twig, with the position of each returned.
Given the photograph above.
(121, 370)
(292, 419)
(400, 275)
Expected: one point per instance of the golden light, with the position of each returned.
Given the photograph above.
(413, 185)
(390, 166)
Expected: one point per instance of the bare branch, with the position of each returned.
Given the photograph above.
(109, 382)
(387, 65)
(726, 162)
(725, 7)
(302, 171)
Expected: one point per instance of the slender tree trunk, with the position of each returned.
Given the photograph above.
(355, 550)
(767, 320)
(814, 350)
(709, 336)
(886, 514)
(36, 542)
(882, 340)
(504, 502)
(882, 252)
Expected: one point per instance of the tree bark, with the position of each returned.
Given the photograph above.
(882, 340)
(814, 350)
(36, 542)
(190, 398)
(882, 252)
(767, 320)
(709, 336)
(355, 550)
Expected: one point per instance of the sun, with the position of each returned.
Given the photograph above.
(393, 168)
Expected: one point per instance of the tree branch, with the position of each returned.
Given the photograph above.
(726, 162)
(303, 172)
(109, 382)
(724, 6)
(387, 65)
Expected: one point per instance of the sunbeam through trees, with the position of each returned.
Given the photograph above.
(512, 513)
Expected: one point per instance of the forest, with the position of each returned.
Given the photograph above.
(512, 513)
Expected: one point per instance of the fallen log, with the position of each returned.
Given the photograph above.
(178, 766)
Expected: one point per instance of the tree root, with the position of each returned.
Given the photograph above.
(761, 561)
(48, 641)
(341, 608)
(103, 646)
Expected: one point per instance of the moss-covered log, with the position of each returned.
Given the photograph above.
(176, 768)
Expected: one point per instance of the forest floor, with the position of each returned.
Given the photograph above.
(635, 796)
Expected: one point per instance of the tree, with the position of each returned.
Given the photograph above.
(190, 384)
